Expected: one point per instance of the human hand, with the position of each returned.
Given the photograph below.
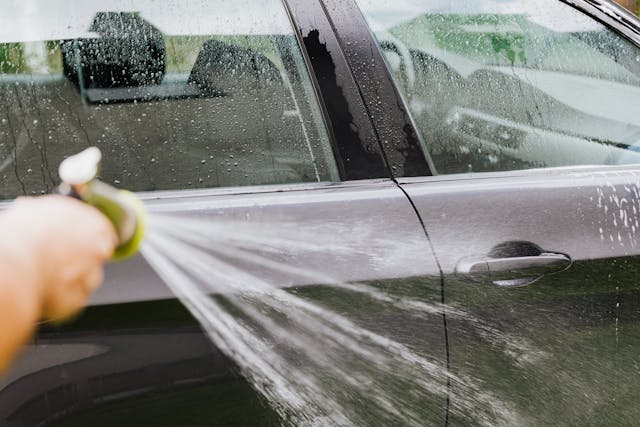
(61, 244)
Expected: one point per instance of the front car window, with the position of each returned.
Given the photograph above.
(177, 94)
(506, 85)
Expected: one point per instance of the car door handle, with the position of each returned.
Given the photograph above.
(512, 271)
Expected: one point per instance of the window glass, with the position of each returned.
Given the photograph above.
(498, 85)
(177, 94)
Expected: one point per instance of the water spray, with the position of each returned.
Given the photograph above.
(125, 211)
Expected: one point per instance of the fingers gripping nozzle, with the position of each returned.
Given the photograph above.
(125, 211)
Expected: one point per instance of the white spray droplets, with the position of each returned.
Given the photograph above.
(315, 363)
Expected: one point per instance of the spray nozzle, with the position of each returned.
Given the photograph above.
(125, 211)
(81, 168)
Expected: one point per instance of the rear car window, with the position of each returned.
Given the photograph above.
(176, 94)
(511, 84)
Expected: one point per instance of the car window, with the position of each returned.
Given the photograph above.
(508, 85)
(177, 94)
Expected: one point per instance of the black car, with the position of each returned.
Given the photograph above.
(481, 155)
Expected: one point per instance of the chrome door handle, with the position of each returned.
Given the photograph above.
(512, 271)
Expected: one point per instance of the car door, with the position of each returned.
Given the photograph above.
(229, 112)
(527, 110)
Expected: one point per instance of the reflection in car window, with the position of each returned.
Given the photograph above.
(177, 94)
(507, 85)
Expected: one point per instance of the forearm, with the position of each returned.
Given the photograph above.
(19, 290)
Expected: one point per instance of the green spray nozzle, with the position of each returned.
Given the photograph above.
(125, 211)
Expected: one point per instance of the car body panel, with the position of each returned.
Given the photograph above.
(558, 350)
(376, 249)
(124, 355)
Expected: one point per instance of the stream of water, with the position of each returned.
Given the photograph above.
(321, 355)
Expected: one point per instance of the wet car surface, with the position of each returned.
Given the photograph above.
(459, 149)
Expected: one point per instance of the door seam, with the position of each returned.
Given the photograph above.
(443, 309)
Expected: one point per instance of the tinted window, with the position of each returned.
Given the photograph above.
(504, 85)
(177, 94)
